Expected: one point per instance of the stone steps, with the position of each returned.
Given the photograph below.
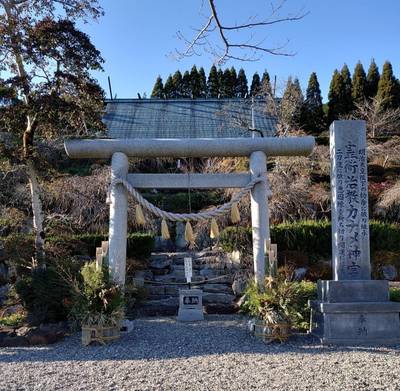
(167, 272)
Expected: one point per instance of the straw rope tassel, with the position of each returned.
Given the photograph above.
(235, 214)
(189, 235)
(214, 231)
(140, 220)
(164, 230)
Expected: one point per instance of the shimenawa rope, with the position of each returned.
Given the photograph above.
(200, 216)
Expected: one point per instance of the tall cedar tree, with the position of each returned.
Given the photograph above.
(213, 83)
(227, 87)
(359, 87)
(169, 88)
(177, 84)
(220, 75)
(373, 77)
(241, 89)
(49, 62)
(388, 89)
(266, 89)
(186, 85)
(313, 114)
(336, 101)
(203, 83)
(158, 89)
(233, 81)
(255, 88)
(195, 83)
(292, 103)
(347, 98)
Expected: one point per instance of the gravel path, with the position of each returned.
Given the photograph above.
(217, 354)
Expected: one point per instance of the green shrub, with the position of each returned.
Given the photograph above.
(97, 300)
(310, 237)
(13, 320)
(283, 299)
(139, 245)
(394, 294)
(235, 238)
(44, 294)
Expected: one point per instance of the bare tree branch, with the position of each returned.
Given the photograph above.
(222, 53)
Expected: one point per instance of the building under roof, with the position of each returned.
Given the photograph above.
(186, 118)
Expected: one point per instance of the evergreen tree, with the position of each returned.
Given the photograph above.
(336, 105)
(313, 113)
(203, 83)
(255, 88)
(195, 82)
(158, 89)
(227, 85)
(372, 80)
(347, 99)
(241, 89)
(186, 85)
(388, 88)
(169, 88)
(359, 87)
(177, 81)
(213, 83)
(292, 103)
(233, 81)
(266, 89)
(220, 75)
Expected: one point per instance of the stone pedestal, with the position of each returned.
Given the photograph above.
(355, 313)
(190, 305)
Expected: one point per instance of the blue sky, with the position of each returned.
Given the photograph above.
(136, 37)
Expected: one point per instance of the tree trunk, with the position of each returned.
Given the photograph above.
(37, 210)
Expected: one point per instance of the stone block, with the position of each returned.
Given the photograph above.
(220, 298)
(172, 290)
(160, 263)
(155, 289)
(219, 308)
(353, 291)
(216, 288)
(356, 323)
(190, 305)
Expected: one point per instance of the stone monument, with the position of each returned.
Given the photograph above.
(352, 308)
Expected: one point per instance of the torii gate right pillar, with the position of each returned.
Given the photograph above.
(259, 215)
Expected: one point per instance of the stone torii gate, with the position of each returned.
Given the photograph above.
(257, 149)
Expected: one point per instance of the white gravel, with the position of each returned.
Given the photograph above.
(217, 354)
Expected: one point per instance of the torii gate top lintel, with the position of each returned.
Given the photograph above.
(218, 147)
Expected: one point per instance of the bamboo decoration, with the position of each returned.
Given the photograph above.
(140, 220)
(164, 230)
(214, 231)
(189, 235)
(235, 214)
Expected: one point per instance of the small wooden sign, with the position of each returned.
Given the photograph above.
(99, 258)
(273, 260)
(188, 269)
(104, 248)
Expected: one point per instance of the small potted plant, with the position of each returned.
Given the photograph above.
(271, 308)
(98, 305)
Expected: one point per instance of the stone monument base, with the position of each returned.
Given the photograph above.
(190, 305)
(355, 313)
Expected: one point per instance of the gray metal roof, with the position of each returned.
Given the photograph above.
(185, 118)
